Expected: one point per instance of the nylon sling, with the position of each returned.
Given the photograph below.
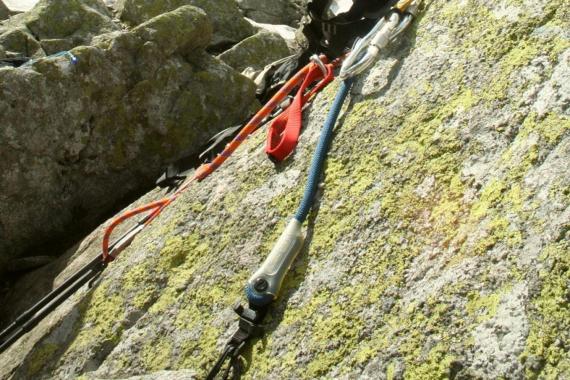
(283, 133)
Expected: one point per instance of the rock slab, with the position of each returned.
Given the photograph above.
(438, 246)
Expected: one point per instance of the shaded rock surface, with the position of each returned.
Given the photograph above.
(4, 11)
(78, 138)
(438, 247)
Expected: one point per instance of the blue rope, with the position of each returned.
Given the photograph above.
(321, 151)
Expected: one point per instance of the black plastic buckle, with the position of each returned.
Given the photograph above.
(249, 324)
(250, 319)
(170, 178)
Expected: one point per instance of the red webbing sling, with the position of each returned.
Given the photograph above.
(284, 131)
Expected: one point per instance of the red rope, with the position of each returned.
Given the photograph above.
(156, 206)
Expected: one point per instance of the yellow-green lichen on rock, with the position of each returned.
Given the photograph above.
(438, 246)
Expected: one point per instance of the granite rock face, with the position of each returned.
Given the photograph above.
(76, 138)
(256, 52)
(438, 247)
(55, 25)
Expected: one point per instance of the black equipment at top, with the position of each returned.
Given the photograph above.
(331, 28)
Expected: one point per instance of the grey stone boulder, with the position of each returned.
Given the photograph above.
(78, 20)
(286, 32)
(274, 11)
(229, 25)
(181, 30)
(18, 42)
(55, 25)
(76, 139)
(256, 51)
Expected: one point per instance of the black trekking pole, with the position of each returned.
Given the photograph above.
(32, 316)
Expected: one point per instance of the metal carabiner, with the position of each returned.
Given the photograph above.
(367, 49)
(317, 60)
(409, 15)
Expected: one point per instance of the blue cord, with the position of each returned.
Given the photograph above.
(263, 299)
(321, 151)
(72, 58)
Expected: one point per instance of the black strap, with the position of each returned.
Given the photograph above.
(171, 177)
(249, 327)
(334, 35)
(178, 171)
(217, 141)
(276, 74)
(229, 352)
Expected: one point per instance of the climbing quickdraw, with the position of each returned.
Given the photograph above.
(206, 169)
(366, 50)
(31, 317)
(264, 285)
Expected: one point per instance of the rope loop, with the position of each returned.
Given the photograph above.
(109, 254)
